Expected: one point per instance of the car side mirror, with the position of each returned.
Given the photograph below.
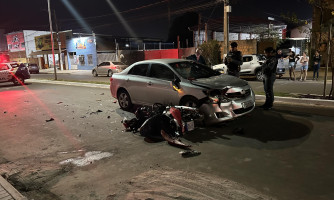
(176, 83)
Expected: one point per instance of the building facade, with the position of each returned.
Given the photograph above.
(21, 44)
(81, 53)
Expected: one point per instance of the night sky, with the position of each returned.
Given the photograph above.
(146, 18)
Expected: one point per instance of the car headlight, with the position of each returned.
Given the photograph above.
(215, 96)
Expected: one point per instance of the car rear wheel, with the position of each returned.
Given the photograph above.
(189, 101)
(124, 100)
(109, 73)
(18, 80)
(95, 73)
(259, 75)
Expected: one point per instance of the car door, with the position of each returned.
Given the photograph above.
(4, 73)
(159, 85)
(246, 66)
(101, 68)
(136, 83)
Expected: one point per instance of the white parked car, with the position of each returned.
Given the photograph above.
(219, 97)
(251, 67)
(13, 72)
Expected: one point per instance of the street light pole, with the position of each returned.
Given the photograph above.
(227, 9)
(53, 53)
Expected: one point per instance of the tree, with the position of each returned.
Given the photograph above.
(211, 52)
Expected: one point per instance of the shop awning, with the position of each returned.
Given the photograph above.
(46, 52)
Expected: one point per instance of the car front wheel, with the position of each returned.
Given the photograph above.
(259, 75)
(95, 73)
(124, 100)
(109, 73)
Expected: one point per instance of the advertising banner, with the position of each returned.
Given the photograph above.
(43, 42)
(15, 42)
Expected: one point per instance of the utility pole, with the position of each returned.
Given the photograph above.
(328, 56)
(227, 9)
(58, 40)
(53, 52)
(199, 30)
(206, 32)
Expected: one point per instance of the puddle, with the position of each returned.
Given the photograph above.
(87, 159)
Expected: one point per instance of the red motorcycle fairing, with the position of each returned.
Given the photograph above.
(176, 113)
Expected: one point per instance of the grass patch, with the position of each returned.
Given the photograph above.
(77, 81)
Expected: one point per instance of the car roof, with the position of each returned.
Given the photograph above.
(165, 61)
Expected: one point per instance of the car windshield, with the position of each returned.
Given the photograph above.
(193, 70)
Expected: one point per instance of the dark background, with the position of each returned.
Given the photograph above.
(146, 18)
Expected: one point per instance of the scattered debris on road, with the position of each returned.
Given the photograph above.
(189, 153)
(59, 102)
(96, 112)
(49, 120)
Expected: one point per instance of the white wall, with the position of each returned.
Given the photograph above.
(29, 40)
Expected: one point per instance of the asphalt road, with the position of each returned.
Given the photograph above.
(282, 87)
(284, 153)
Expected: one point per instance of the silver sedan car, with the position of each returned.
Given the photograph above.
(182, 82)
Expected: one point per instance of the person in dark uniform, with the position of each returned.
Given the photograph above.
(269, 72)
(233, 60)
(197, 56)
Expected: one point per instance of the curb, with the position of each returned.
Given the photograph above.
(9, 192)
(291, 100)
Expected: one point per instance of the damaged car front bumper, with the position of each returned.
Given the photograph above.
(233, 103)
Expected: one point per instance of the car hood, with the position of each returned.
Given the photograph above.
(219, 82)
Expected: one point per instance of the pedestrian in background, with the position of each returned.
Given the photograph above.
(269, 72)
(304, 61)
(233, 60)
(316, 66)
(292, 64)
(197, 56)
(280, 59)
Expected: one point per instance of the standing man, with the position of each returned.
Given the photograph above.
(233, 60)
(197, 56)
(269, 72)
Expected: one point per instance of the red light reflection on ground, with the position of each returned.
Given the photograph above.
(10, 100)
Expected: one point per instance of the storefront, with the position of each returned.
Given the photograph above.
(81, 53)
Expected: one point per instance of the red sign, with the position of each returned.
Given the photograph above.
(158, 54)
(15, 42)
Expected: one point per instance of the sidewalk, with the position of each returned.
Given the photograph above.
(8, 192)
(51, 71)
(310, 74)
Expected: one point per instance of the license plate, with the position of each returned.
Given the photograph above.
(190, 126)
(247, 104)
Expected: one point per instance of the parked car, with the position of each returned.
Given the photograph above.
(13, 72)
(33, 68)
(108, 68)
(251, 67)
(182, 82)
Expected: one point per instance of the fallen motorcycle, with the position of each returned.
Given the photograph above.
(160, 122)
